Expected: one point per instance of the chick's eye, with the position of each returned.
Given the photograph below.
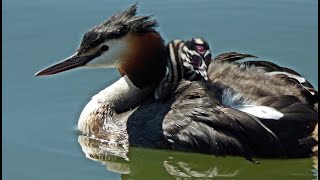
(104, 48)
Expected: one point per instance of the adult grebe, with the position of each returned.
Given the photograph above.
(241, 110)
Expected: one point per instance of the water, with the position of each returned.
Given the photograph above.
(40, 114)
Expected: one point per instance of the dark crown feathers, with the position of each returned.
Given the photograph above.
(117, 26)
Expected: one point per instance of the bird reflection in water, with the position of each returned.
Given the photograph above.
(140, 163)
(173, 164)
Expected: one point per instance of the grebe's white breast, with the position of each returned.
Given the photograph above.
(119, 97)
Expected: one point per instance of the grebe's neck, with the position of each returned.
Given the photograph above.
(119, 97)
(145, 63)
(142, 67)
(122, 95)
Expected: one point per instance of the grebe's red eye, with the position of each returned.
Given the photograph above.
(196, 61)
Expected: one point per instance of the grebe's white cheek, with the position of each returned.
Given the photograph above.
(112, 56)
(102, 61)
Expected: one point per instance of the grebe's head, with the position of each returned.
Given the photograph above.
(125, 41)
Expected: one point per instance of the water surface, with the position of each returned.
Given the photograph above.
(40, 114)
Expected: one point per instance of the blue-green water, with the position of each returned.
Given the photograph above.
(40, 114)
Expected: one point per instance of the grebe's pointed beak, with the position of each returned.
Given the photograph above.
(69, 63)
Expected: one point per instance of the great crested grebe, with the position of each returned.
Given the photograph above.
(248, 109)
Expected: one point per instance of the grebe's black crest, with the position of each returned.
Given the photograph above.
(117, 26)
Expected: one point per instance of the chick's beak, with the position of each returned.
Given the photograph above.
(69, 63)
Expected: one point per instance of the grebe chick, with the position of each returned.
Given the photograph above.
(186, 60)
